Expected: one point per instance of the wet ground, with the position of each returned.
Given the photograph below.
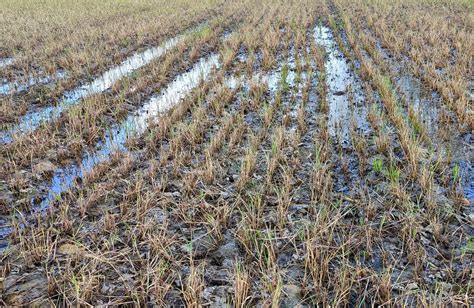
(428, 106)
(36, 118)
(342, 82)
(133, 126)
(4, 62)
(358, 200)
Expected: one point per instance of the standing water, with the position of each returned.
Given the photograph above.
(17, 86)
(339, 77)
(33, 120)
(4, 62)
(135, 124)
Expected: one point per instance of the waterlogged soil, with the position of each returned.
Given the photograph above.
(181, 86)
(134, 125)
(117, 133)
(174, 208)
(9, 88)
(342, 83)
(36, 118)
(428, 106)
(61, 179)
(4, 62)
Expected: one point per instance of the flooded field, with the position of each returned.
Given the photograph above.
(34, 119)
(236, 154)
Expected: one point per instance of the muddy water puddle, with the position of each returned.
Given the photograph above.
(342, 82)
(296, 82)
(467, 174)
(5, 230)
(273, 80)
(34, 119)
(421, 101)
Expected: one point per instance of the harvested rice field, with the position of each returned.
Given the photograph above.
(305, 153)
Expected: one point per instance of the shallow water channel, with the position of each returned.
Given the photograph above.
(115, 139)
(341, 80)
(34, 119)
(135, 124)
(8, 88)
